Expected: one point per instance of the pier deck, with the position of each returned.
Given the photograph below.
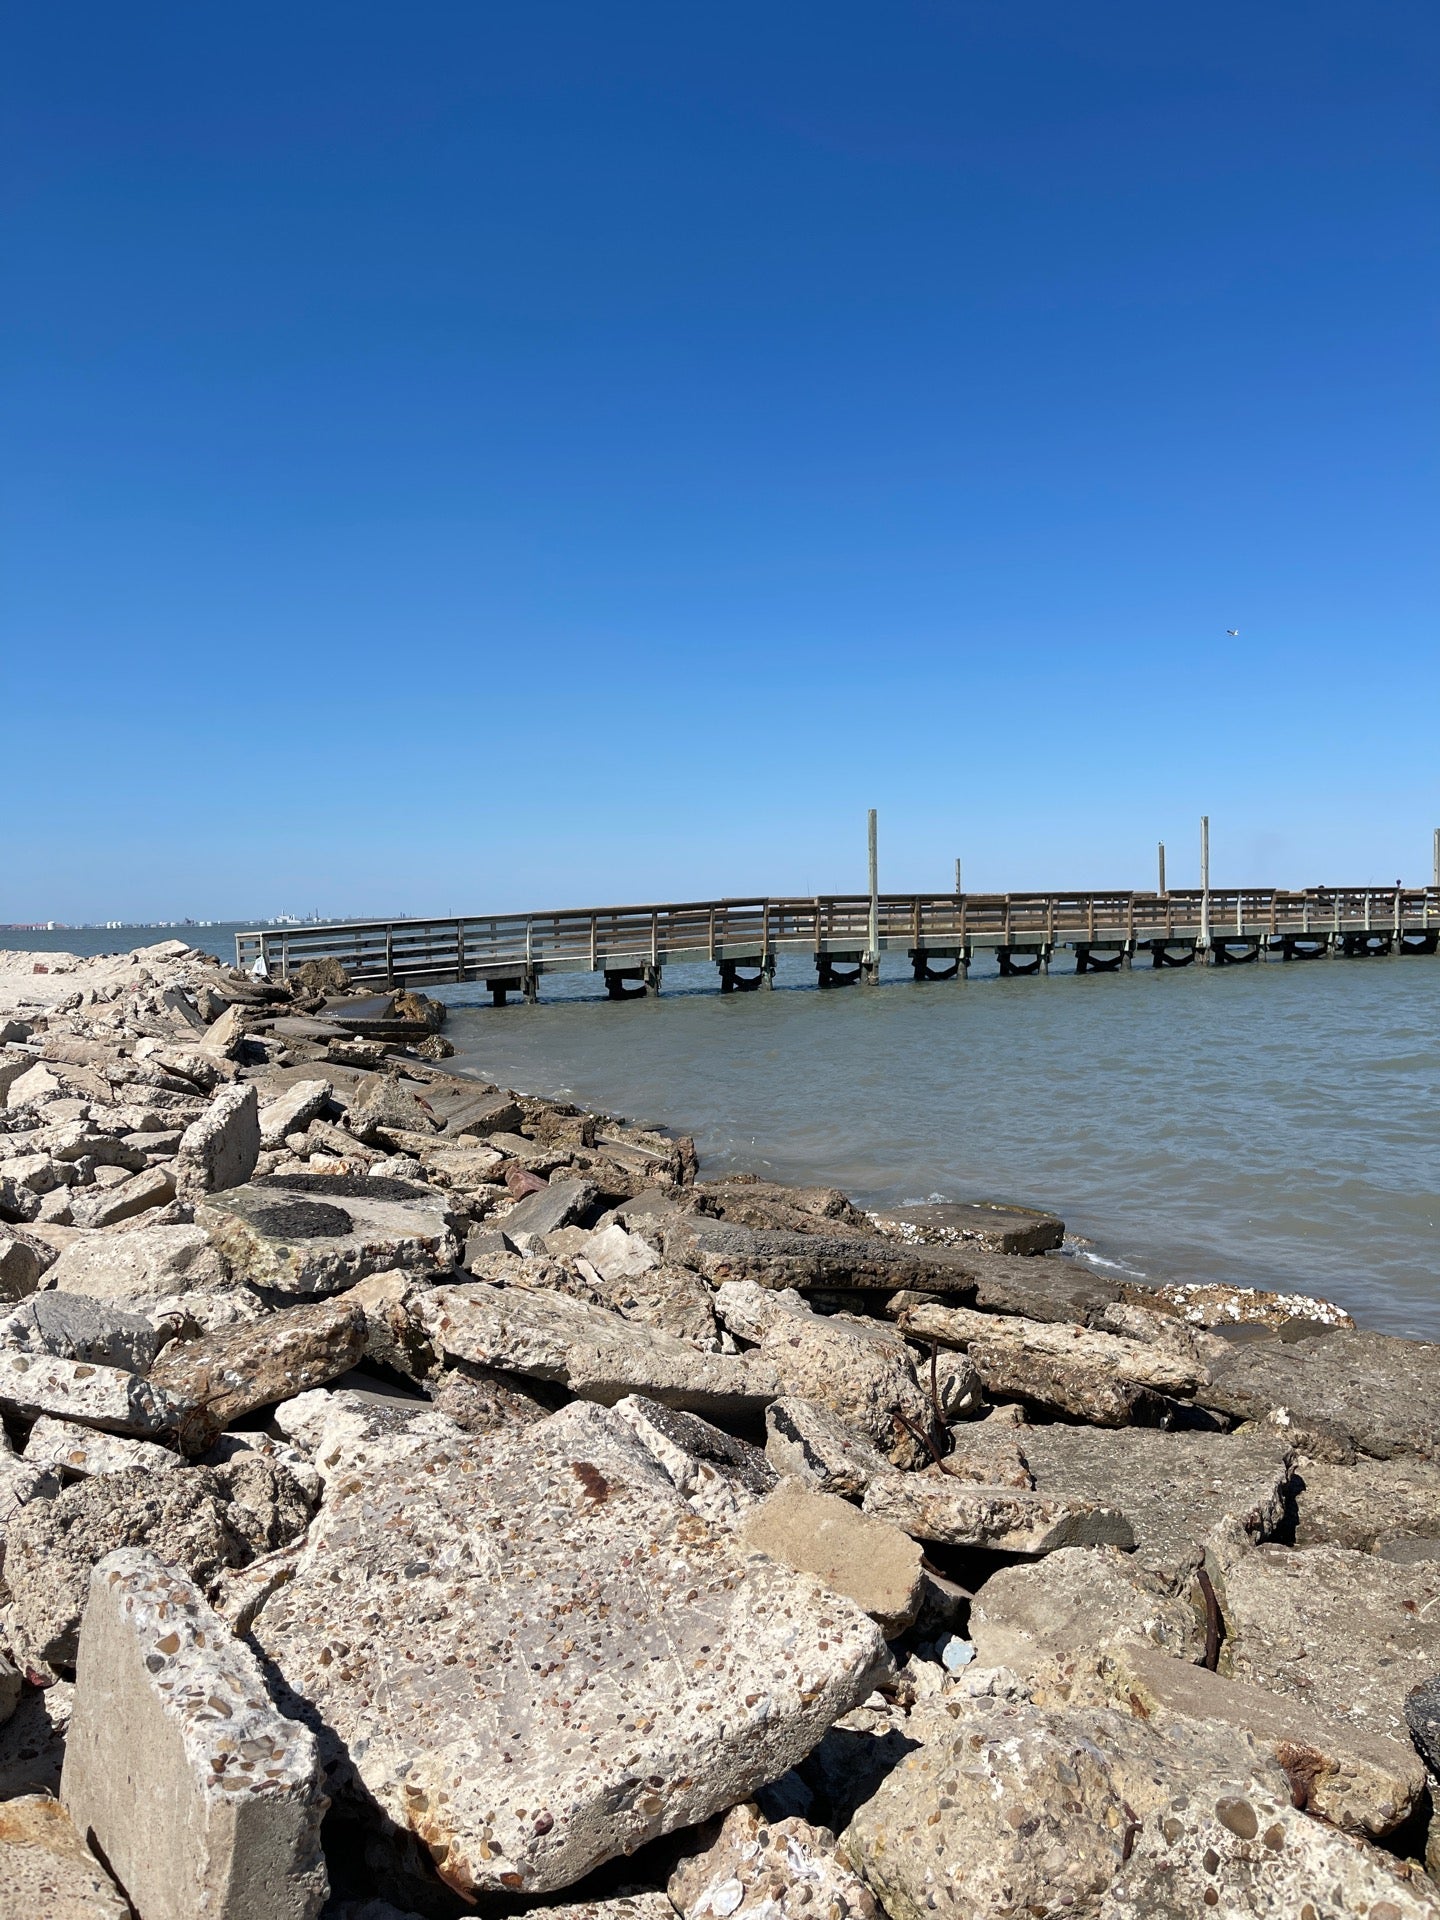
(939, 933)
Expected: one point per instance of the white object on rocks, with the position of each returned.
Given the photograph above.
(203, 1797)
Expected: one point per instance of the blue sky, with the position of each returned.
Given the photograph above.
(466, 456)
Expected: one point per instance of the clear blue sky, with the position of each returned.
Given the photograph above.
(473, 455)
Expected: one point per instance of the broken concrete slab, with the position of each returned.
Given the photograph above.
(204, 1799)
(217, 1379)
(1347, 1632)
(1379, 1392)
(383, 1104)
(1250, 1854)
(978, 1223)
(24, 1262)
(870, 1561)
(141, 1264)
(597, 1354)
(301, 1102)
(560, 1203)
(46, 1870)
(519, 1557)
(806, 1440)
(722, 1478)
(111, 1398)
(784, 1869)
(1176, 1489)
(1358, 1781)
(320, 1233)
(1219, 1304)
(1097, 1377)
(1049, 1287)
(1366, 1504)
(933, 1507)
(83, 1451)
(219, 1150)
(140, 1194)
(484, 1400)
(75, 1326)
(722, 1251)
(1010, 1808)
(862, 1371)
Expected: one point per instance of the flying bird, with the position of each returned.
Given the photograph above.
(1234, 632)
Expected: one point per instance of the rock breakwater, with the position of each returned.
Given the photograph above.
(419, 1498)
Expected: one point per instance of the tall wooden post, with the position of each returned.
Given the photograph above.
(872, 956)
(1205, 882)
(1437, 865)
(1436, 881)
(1162, 866)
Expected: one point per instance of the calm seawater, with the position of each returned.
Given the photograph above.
(1273, 1125)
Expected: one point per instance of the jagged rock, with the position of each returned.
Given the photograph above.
(108, 1397)
(318, 1233)
(18, 1203)
(83, 1451)
(1050, 1287)
(1380, 1393)
(1053, 1623)
(1358, 1781)
(482, 1400)
(861, 1370)
(783, 1869)
(748, 1202)
(1000, 1519)
(1366, 1504)
(144, 1263)
(956, 1386)
(1175, 1489)
(989, 1453)
(1009, 1808)
(297, 1106)
(554, 1735)
(974, 1224)
(634, 1906)
(1221, 1304)
(805, 1439)
(1249, 1853)
(598, 1355)
(73, 1326)
(383, 1105)
(197, 1518)
(479, 1114)
(140, 1194)
(22, 1481)
(204, 1799)
(24, 1261)
(872, 1563)
(1349, 1633)
(46, 1870)
(215, 1380)
(461, 1167)
(558, 1204)
(1097, 1377)
(722, 1478)
(722, 1252)
(1422, 1716)
(393, 1336)
(219, 1150)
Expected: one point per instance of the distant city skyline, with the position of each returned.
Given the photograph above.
(503, 458)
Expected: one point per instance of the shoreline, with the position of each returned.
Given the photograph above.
(572, 1525)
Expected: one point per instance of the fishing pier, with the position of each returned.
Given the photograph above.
(847, 936)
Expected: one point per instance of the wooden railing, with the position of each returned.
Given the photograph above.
(596, 939)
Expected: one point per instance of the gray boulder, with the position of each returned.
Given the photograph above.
(1380, 1394)
(320, 1233)
(73, 1326)
(219, 1150)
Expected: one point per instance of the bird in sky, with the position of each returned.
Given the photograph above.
(1234, 632)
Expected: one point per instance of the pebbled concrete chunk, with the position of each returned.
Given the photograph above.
(784, 1869)
(862, 1371)
(144, 1264)
(535, 1656)
(205, 1799)
(293, 1111)
(320, 1233)
(871, 1562)
(46, 1870)
(559, 1204)
(598, 1354)
(219, 1150)
(932, 1506)
(811, 1443)
(82, 1451)
(24, 1261)
(73, 1326)
(722, 1478)
(1381, 1393)
(215, 1380)
(108, 1397)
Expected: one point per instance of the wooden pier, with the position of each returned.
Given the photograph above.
(847, 935)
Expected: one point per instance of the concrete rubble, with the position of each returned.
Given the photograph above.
(415, 1493)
